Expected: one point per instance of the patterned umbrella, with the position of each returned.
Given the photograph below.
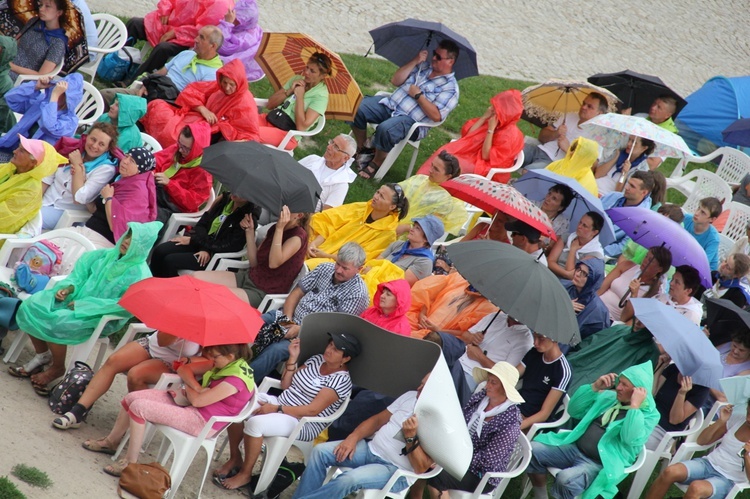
(284, 55)
(552, 99)
(492, 196)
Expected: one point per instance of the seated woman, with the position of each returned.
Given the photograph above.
(226, 104)
(8, 50)
(47, 115)
(389, 306)
(124, 113)
(685, 282)
(317, 388)
(731, 282)
(426, 197)
(68, 313)
(92, 160)
(735, 358)
(242, 36)
(298, 104)
(217, 231)
(144, 361)
(591, 313)
(495, 230)
(370, 224)
(553, 205)
(274, 265)
(42, 42)
(225, 389)
(581, 245)
(491, 141)
(581, 156)
(612, 175)
(643, 281)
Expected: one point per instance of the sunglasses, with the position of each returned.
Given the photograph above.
(322, 60)
(438, 56)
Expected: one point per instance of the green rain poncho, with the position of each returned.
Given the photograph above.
(132, 108)
(623, 439)
(8, 50)
(99, 278)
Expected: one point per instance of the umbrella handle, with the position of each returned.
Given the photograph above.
(370, 49)
(624, 299)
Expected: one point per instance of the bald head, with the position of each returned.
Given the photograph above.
(208, 42)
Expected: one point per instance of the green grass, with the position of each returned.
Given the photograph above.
(8, 489)
(33, 476)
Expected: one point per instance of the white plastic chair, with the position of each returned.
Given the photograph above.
(386, 490)
(91, 105)
(112, 35)
(178, 220)
(662, 451)
(516, 166)
(276, 301)
(736, 225)
(733, 167)
(24, 78)
(215, 259)
(150, 143)
(71, 217)
(519, 460)
(699, 184)
(564, 417)
(291, 134)
(725, 246)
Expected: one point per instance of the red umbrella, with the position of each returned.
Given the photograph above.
(492, 196)
(198, 311)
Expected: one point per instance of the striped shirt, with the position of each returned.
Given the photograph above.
(307, 383)
(323, 295)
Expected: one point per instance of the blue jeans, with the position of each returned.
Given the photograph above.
(391, 129)
(50, 217)
(577, 470)
(269, 358)
(368, 472)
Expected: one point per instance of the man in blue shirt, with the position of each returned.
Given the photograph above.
(699, 225)
(637, 192)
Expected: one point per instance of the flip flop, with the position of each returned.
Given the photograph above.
(219, 479)
(224, 485)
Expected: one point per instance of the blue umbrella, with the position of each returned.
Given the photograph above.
(737, 390)
(535, 184)
(400, 42)
(682, 339)
(738, 133)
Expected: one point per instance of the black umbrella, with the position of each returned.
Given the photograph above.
(636, 90)
(723, 319)
(400, 42)
(520, 285)
(264, 176)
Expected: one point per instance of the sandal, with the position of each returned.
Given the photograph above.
(66, 422)
(116, 468)
(43, 388)
(34, 366)
(218, 480)
(369, 171)
(96, 446)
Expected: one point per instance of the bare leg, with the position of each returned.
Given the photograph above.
(137, 432)
(235, 432)
(699, 489)
(146, 373)
(379, 157)
(417, 490)
(39, 345)
(56, 368)
(674, 473)
(360, 136)
(119, 362)
(112, 440)
(538, 479)
(224, 278)
(252, 453)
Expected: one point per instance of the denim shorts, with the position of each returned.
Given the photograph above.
(701, 469)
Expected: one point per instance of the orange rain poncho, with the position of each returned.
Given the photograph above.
(577, 163)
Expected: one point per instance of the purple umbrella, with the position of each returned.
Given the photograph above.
(649, 228)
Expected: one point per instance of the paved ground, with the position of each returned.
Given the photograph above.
(683, 42)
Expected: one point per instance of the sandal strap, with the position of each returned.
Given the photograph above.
(38, 360)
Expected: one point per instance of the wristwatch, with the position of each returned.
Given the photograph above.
(418, 95)
(410, 440)
(280, 409)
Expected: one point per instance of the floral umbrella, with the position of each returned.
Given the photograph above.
(552, 99)
(284, 55)
(492, 196)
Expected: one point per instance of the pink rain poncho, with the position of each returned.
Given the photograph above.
(186, 18)
(242, 39)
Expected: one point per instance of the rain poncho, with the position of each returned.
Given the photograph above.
(100, 278)
(507, 140)
(623, 439)
(595, 317)
(38, 111)
(397, 321)
(134, 201)
(241, 40)
(132, 108)
(186, 18)
(236, 114)
(8, 49)
(577, 163)
(448, 305)
(428, 198)
(21, 193)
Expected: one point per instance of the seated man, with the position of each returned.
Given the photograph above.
(525, 237)
(199, 64)
(713, 475)
(372, 462)
(699, 225)
(427, 92)
(614, 425)
(555, 139)
(330, 287)
(332, 170)
(637, 192)
(660, 113)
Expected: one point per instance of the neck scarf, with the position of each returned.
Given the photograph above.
(49, 34)
(176, 166)
(239, 368)
(735, 283)
(211, 63)
(216, 223)
(477, 419)
(405, 250)
(610, 415)
(621, 161)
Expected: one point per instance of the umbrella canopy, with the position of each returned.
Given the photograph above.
(684, 341)
(284, 55)
(492, 196)
(400, 42)
(636, 91)
(534, 184)
(738, 133)
(737, 391)
(263, 175)
(724, 318)
(649, 228)
(550, 100)
(521, 286)
(198, 311)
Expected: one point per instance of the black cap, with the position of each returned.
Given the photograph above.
(347, 343)
(524, 229)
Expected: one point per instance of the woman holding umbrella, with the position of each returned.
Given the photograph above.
(612, 175)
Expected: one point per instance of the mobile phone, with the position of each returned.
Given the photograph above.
(742, 453)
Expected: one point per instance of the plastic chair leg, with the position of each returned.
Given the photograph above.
(15, 349)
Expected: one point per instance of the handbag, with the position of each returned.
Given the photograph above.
(146, 481)
(160, 87)
(280, 120)
(270, 333)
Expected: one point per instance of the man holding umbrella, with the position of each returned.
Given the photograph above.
(427, 91)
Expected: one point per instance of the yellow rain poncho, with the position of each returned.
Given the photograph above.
(577, 163)
(21, 193)
(428, 198)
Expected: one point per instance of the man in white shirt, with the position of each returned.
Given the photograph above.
(333, 170)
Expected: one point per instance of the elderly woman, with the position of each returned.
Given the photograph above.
(42, 43)
(317, 388)
(298, 104)
(426, 197)
(581, 156)
(68, 313)
(242, 36)
(613, 174)
(583, 244)
(225, 389)
(591, 313)
(389, 306)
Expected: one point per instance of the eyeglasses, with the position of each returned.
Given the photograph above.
(439, 57)
(337, 148)
(579, 270)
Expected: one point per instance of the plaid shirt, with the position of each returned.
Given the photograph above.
(441, 91)
(322, 295)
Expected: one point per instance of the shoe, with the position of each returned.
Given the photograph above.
(95, 446)
(67, 421)
(34, 366)
(116, 468)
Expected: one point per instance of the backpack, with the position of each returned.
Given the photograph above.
(42, 257)
(120, 65)
(286, 475)
(65, 395)
(29, 281)
(145, 481)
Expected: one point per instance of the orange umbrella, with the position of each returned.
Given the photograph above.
(283, 55)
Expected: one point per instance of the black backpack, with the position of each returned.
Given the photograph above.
(285, 476)
(65, 395)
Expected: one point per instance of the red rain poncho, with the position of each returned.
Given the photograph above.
(186, 18)
(397, 321)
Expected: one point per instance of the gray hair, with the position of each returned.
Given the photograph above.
(215, 36)
(351, 145)
(352, 253)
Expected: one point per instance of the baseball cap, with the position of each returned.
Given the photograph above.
(347, 343)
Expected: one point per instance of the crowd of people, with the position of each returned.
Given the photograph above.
(383, 260)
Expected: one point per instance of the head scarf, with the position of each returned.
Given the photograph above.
(143, 158)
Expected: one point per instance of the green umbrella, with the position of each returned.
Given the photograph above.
(521, 286)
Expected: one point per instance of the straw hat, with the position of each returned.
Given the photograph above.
(508, 376)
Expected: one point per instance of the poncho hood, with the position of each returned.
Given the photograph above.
(132, 109)
(508, 107)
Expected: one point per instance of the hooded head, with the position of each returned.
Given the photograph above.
(582, 152)
(201, 131)
(49, 164)
(247, 15)
(638, 376)
(235, 71)
(131, 109)
(593, 281)
(401, 290)
(508, 107)
(142, 239)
